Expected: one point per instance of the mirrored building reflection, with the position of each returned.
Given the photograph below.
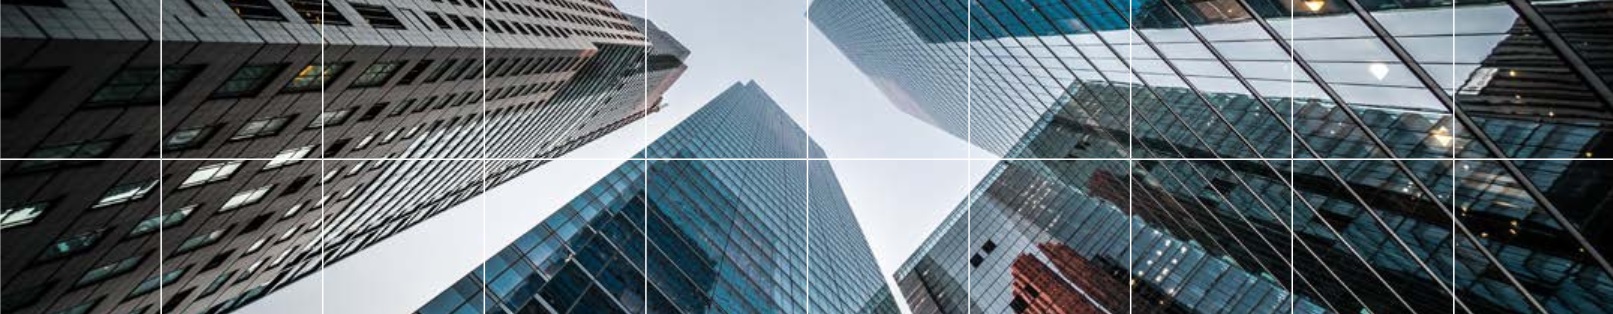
(693, 231)
(194, 161)
(1351, 156)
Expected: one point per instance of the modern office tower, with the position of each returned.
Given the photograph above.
(1347, 155)
(752, 232)
(167, 156)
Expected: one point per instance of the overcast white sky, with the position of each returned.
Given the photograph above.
(898, 202)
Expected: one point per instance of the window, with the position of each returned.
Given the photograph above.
(21, 215)
(437, 19)
(248, 80)
(414, 72)
(125, 192)
(211, 173)
(287, 157)
(377, 16)
(314, 76)
(318, 12)
(162, 221)
(330, 118)
(152, 283)
(442, 70)
(55, 156)
(246, 198)
(18, 88)
(377, 74)
(107, 271)
(72, 244)
(198, 241)
(373, 112)
(82, 307)
(261, 128)
(187, 138)
(255, 10)
(140, 86)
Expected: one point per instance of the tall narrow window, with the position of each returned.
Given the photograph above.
(140, 86)
(152, 283)
(198, 241)
(248, 80)
(109, 270)
(211, 173)
(312, 76)
(255, 10)
(442, 70)
(125, 193)
(377, 16)
(317, 12)
(377, 74)
(170, 219)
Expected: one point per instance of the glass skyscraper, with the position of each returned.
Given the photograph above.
(735, 222)
(1257, 156)
(194, 156)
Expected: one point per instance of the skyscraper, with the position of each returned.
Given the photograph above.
(735, 221)
(191, 156)
(1259, 156)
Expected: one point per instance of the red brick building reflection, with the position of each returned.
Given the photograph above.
(1040, 288)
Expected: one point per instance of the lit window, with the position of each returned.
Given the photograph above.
(246, 198)
(187, 138)
(257, 245)
(140, 86)
(287, 157)
(330, 118)
(261, 128)
(248, 80)
(377, 74)
(211, 173)
(22, 215)
(126, 192)
(314, 76)
(162, 221)
(157, 281)
(294, 210)
(72, 244)
(107, 271)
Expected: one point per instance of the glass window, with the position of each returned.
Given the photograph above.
(22, 214)
(157, 281)
(377, 74)
(246, 198)
(287, 157)
(72, 244)
(255, 10)
(187, 138)
(125, 192)
(441, 70)
(330, 118)
(314, 76)
(81, 308)
(58, 156)
(107, 271)
(318, 12)
(211, 173)
(248, 80)
(378, 16)
(261, 128)
(162, 221)
(414, 72)
(199, 241)
(140, 86)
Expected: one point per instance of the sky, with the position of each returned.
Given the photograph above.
(900, 175)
